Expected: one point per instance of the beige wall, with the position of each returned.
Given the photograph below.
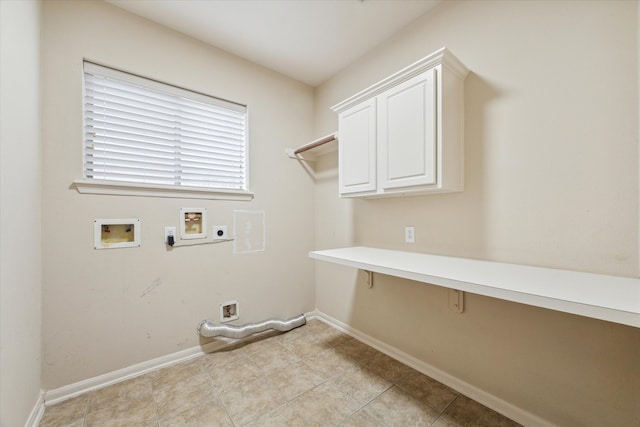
(20, 206)
(109, 309)
(551, 180)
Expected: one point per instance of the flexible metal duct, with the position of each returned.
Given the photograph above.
(209, 329)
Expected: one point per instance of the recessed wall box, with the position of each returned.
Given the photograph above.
(229, 311)
(193, 223)
(116, 233)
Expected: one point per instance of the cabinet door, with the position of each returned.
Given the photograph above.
(357, 148)
(407, 133)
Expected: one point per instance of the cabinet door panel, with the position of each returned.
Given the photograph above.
(407, 133)
(357, 148)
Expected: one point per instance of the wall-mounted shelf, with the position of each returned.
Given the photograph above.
(611, 298)
(295, 153)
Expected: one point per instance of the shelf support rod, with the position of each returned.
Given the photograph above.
(313, 144)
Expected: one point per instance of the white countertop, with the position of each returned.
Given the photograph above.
(612, 298)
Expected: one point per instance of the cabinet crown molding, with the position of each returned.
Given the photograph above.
(442, 56)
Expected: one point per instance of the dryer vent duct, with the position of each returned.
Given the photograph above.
(208, 329)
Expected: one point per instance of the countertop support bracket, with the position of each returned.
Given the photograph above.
(456, 300)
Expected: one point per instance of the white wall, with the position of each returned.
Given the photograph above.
(20, 207)
(551, 125)
(109, 309)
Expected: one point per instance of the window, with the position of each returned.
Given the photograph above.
(146, 137)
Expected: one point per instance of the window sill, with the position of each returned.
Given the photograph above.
(86, 186)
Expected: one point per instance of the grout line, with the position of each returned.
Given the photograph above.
(86, 412)
(446, 407)
(155, 403)
(218, 393)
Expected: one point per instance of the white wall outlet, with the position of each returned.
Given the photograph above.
(409, 234)
(220, 232)
(169, 231)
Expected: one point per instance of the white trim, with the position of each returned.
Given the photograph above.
(57, 395)
(507, 409)
(37, 412)
(94, 186)
(52, 397)
(441, 56)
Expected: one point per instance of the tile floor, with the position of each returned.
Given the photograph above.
(311, 376)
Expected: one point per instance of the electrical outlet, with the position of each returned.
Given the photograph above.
(409, 234)
(169, 231)
(220, 232)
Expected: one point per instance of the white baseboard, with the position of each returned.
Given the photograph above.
(51, 397)
(36, 413)
(507, 409)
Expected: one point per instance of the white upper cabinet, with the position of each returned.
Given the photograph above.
(404, 135)
(357, 160)
(407, 133)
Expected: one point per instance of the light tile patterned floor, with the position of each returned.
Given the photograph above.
(311, 376)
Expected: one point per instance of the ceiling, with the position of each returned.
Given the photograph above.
(308, 40)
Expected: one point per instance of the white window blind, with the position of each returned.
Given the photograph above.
(145, 132)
